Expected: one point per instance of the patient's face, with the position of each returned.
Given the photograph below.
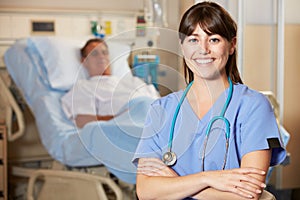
(97, 61)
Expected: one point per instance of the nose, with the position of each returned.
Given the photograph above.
(100, 55)
(203, 48)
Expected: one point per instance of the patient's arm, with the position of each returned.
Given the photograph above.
(81, 120)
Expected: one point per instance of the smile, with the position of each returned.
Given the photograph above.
(204, 61)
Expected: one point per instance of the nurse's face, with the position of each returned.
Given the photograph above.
(207, 55)
(97, 60)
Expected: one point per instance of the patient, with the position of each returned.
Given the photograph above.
(102, 96)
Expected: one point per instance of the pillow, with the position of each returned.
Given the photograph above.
(59, 60)
(119, 54)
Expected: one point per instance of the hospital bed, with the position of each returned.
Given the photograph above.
(44, 69)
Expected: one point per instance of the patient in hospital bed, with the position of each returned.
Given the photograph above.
(46, 68)
(102, 96)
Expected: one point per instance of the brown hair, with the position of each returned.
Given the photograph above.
(213, 19)
(83, 49)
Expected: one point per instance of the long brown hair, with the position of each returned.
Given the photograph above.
(213, 19)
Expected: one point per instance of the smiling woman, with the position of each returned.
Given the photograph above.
(201, 34)
(218, 123)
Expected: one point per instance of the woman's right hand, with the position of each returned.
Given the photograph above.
(238, 181)
(154, 167)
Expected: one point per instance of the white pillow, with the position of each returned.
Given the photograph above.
(59, 59)
(119, 54)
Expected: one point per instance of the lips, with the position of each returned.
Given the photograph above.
(204, 61)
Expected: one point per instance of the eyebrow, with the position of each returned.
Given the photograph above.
(194, 34)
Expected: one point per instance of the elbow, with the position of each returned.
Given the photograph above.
(144, 193)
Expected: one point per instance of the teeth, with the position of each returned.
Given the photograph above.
(204, 61)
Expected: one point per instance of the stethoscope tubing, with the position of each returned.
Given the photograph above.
(213, 120)
(176, 114)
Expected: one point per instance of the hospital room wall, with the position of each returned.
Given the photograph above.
(129, 5)
(291, 105)
(101, 5)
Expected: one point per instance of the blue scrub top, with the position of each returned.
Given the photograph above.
(252, 127)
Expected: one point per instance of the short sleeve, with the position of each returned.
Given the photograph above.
(259, 129)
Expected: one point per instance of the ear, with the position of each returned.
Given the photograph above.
(233, 45)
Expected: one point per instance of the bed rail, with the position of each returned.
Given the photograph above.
(11, 106)
(80, 185)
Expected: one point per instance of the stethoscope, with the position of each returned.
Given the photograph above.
(170, 158)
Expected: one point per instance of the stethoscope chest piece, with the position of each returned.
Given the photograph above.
(169, 158)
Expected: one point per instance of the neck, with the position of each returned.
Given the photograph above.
(208, 90)
(204, 93)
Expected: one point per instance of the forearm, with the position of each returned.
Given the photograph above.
(169, 187)
(211, 193)
(104, 118)
(256, 159)
(260, 160)
(81, 120)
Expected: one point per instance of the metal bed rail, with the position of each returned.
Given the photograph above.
(11, 107)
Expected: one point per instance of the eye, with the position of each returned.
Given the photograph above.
(214, 40)
(94, 53)
(192, 40)
(104, 52)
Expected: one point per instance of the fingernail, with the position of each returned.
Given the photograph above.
(263, 185)
(250, 197)
(258, 191)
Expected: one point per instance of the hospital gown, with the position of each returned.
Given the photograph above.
(104, 95)
(252, 127)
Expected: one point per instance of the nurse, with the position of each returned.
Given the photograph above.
(227, 160)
